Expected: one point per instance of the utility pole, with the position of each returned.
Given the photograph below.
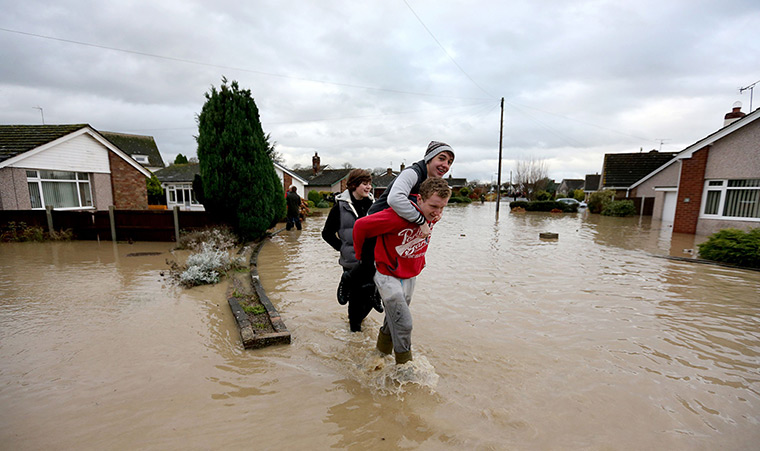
(751, 92)
(41, 113)
(498, 181)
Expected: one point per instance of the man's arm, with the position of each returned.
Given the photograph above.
(398, 197)
(382, 222)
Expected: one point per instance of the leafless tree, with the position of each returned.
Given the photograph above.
(530, 174)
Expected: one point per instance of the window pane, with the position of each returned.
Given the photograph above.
(172, 196)
(31, 174)
(83, 176)
(743, 183)
(34, 195)
(711, 204)
(180, 197)
(715, 183)
(85, 196)
(58, 175)
(742, 203)
(60, 194)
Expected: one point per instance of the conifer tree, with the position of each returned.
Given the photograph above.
(238, 175)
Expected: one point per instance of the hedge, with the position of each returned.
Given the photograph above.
(544, 205)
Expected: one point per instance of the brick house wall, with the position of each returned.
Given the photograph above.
(128, 185)
(690, 186)
(287, 181)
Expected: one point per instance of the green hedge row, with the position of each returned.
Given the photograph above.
(544, 205)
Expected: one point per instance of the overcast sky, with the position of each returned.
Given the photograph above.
(371, 83)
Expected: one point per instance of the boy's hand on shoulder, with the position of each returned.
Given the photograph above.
(425, 230)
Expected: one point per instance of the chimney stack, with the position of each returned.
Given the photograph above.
(734, 115)
(315, 162)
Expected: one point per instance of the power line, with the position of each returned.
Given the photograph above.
(515, 105)
(444, 51)
(240, 69)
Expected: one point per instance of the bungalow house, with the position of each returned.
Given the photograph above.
(320, 178)
(456, 184)
(567, 186)
(712, 184)
(68, 167)
(290, 178)
(177, 182)
(621, 170)
(380, 182)
(141, 148)
(591, 185)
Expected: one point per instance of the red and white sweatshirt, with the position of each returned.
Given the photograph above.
(400, 250)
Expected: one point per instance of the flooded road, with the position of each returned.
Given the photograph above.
(587, 342)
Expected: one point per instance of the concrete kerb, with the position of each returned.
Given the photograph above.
(705, 262)
(252, 339)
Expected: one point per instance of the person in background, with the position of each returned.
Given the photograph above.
(294, 209)
(400, 257)
(351, 204)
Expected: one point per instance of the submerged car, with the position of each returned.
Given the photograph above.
(568, 200)
(571, 201)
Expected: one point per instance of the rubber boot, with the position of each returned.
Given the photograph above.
(403, 357)
(384, 343)
(343, 289)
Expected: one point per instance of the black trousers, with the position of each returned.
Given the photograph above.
(362, 287)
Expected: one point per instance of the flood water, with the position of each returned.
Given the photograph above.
(588, 342)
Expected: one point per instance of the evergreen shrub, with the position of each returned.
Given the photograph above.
(619, 208)
(314, 197)
(240, 184)
(599, 199)
(733, 246)
(544, 205)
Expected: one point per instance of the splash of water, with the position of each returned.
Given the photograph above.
(356, 354)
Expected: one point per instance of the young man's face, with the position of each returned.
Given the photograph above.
(432, 208)
(440, 165)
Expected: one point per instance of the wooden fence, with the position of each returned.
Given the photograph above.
(125, 225)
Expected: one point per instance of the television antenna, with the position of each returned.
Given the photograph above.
(662, 140)
(751, 92)
(41, 113)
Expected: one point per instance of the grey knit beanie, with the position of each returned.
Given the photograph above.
(434, 148)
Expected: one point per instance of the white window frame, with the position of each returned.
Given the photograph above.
(187, 192)
(82, 180)
(721, 186)
(142, 159)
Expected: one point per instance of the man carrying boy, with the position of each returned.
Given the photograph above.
(399, 259)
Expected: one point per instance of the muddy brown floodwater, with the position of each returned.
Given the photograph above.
(587, 342)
